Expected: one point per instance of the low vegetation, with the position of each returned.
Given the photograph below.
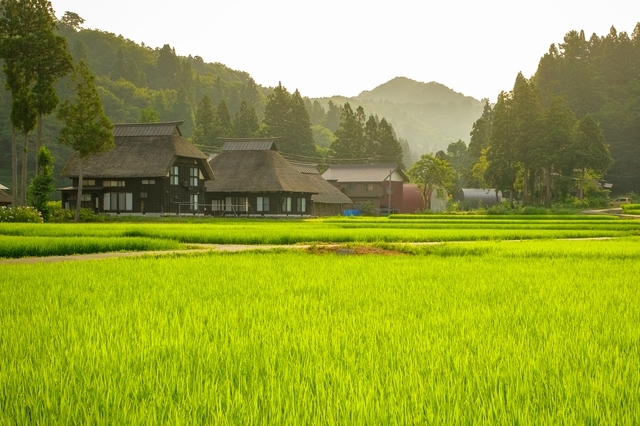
(529, 332)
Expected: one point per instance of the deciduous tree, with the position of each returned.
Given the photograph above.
(432, 174)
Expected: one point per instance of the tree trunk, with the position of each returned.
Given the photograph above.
(525, 186)
(584, 171)
(23, 183)
(548, 185)
(38, 140)
(14, 168)
(79, 200)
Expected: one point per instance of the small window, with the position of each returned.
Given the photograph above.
(193, 200)
(88, 182)
(263, 204)
(302, 205)
(86, 197)
(351, 186)
(286, 204)
(368, 187)
(217, 205)
(148, 181)
(113, 183)
(174, 177)
(193, 176)
(144, 195)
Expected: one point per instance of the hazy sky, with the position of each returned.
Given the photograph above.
(332, 47)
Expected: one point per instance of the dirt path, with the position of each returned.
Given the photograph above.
(196, 248)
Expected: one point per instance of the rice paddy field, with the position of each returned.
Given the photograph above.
(504, 321)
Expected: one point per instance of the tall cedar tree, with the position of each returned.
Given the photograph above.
(43, 183)
(590, 150)
(86, 129)
(558, 126)
(388, 149)
(222, 122)
(502, 155)
(350, 142)
(526, 115)
(204, 131)
(245, 121)
(299, 136)
(276, 114)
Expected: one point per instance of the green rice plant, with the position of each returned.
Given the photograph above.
(533, 332)
(15, 247)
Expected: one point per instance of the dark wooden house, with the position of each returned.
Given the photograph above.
(381, 184)
(253, 179)
(153, 169)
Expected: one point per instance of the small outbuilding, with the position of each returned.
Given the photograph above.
(329, 201)
(473, 197)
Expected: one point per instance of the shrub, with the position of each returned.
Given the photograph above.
(60, 215)
(26, 214)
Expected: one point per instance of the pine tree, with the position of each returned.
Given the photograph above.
(86, 129)
(299, 136)
(589, 150)
(222, 127)
(245, 122)
(204, 129)
(43, 183)
(350, 137)
(388, 149)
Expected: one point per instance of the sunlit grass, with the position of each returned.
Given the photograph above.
(530, 332)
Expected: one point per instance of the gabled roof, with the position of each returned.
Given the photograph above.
(256, 171)
(249, 144)
(362, 172)
(142, 150)
(5, 198)
(327, 193)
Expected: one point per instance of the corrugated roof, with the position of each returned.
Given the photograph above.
(249, 144)
(146, 129)
(306, 168)
(361, 172)
(256, 171)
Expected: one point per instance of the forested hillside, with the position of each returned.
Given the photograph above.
(136, 83)
(429, 116)
(601, 76)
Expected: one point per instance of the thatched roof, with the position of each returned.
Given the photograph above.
(327, 193)
(5, 198)
(261, 169)
(142, 150)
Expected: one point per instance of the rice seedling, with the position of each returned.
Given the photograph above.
(530, 332)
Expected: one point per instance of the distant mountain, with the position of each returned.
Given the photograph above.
(429, 116)
(404, 90)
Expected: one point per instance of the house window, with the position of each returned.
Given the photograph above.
(217, 205)
(88, 182)
(193, 200)
(241, 204)
(148, 181)
(174, 176)
(302, 205)
(351, 187)
(113, 183)
(286, 204)
(85, 197)
(118, 201)
(193, 176)
(144, 195)
(368, 187)
(263, 204)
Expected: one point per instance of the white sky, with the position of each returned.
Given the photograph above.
(342, 47)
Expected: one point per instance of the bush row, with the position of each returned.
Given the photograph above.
(26, 214)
